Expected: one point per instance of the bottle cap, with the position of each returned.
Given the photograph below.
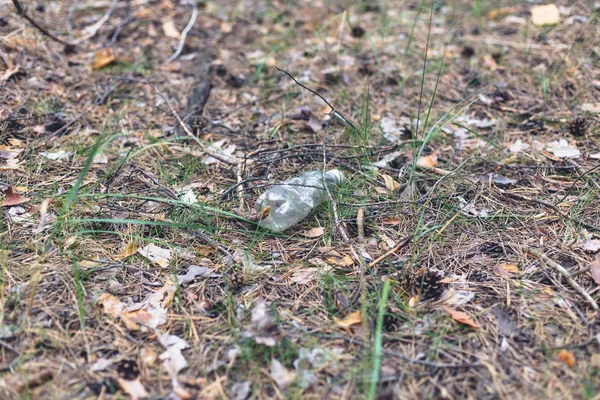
(335, 175)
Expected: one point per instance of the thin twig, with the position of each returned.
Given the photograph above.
(184, 34)
(211, 151)
(581, 176)
(554, 208)
(336, 114)
(92, 30)
(430, 364)
(397, 247)
(22, 13)
(560, 269)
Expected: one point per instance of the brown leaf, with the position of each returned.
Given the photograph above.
(461, 317)
(102, 58)
(567, 357)
(13, 198)
(509, 267)
(353, 318)
(392, 221)
(313, 233)
(127, 251)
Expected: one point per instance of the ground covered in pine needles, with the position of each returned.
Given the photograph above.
(459, 258)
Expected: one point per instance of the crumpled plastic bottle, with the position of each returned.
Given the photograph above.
(294, 199)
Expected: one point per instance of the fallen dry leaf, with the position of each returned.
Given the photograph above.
(427, 161)
(112, 306)
(490, 62)
(102, 58)
(340, 261)
(170, 30)
(563, 149)
(390, 183)
(545, 15)
(127, 251)
(353, 318)
(313, 233)
(501, 12)
(156, 255)
(13, 198)
(461, 317)
(282, 377)
(133, 388)
(412, 302)
(391, 221)
(509, 267)
(304, 275)
(567, 357)
(592, 108)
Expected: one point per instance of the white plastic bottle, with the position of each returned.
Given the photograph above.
(294, 199)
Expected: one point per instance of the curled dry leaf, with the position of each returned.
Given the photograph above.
(353, 318)
(461, 317)
(13, 198)
(427, 161)
(567, 358)
(390, 183)
(103, 58)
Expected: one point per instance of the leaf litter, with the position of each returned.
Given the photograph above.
(194, 299)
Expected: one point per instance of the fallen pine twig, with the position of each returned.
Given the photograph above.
(552, 207)
(92, 30)
(215, 153)
(184, 34)
(391, 353)
(22, 13)
(397, 247)
(560, 269)
(336, 114)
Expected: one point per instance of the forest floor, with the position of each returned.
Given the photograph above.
(459, 258)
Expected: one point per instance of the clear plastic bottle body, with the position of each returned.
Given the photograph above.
(294, 199)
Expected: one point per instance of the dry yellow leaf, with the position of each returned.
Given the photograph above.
(390, 183)
(353, 318)
(102, 58)
(340, 261)
(545, 15)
